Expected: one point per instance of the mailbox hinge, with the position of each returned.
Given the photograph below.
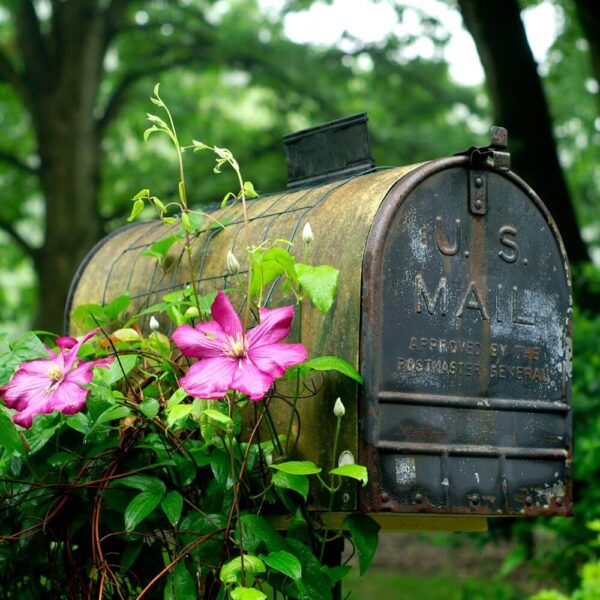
(495, 156)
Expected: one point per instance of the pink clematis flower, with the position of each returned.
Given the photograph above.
(54, 383)
(233, 359)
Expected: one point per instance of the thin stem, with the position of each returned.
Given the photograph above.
(236, 500)
(332, 487)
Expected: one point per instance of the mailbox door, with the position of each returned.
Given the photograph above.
(466, 348)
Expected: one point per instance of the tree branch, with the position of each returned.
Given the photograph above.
(118, 97)
(8, 227)
(32, 43)
(15, 161)
(113, 16)
(8, 73)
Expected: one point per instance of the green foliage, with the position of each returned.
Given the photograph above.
(364, 531)
(319, 283)
(358, 472)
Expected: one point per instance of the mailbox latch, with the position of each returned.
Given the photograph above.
(494, 156)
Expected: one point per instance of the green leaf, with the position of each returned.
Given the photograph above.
(257, 530)
(215, 417)
(143, 483)
(172, 504)
(285, 563)
(9, 436)
(141, 194)
(118, 305)
(232, 571)
(160, 249)
(336, 573)
(249, 190)
(297, 467)
(268, 265)
(177, 413)
(119, 368)
(150, 407)
(357, 472)
(177, 397)
(180, 584)
(221, 468)
(88, 316)
(332, 363)
(138, 207)
(319, 283)
(162, 209)
(27, 347)
(244, 593)
(364, 531)
(298, 483)
(139, 508)
(314, 585)
(110, 414)
(79, 422)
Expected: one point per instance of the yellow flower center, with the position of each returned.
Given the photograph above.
(54, 373)
(237, 346)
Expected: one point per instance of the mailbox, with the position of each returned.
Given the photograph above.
(454, 302)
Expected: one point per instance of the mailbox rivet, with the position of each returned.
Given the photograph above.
(525, 262)
(418, 498)
(466, 254)
(385, 497)
(559, 502)
(475, 498)
(478, 181)
(529, 501)
(478, 204)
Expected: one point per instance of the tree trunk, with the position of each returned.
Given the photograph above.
(589, 17)
(63, 70)
(519, 105)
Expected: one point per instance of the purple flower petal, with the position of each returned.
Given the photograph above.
(224, 314)
(68, 398)
(42, 386)
(274, 359)
(22, 387)
(210, 378)
(274, 326)
(82, 374)
(251, 381)
(66, 342)
(71, 355)
(206, 340)
(42, 366)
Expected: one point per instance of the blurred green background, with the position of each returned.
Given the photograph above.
(75, 78)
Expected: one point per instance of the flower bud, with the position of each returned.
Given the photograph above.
(346, 458)
(339, 410)
(307, 234)
(191, 313)
(233, 266)
(154, 324)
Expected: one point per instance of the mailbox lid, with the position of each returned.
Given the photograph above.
(466, 348)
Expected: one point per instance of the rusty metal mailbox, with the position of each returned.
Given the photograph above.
(454, 302)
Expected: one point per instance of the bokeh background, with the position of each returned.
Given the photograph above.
(433, 75)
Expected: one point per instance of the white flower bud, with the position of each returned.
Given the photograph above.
(233, 266)
(307, 234)
(154, 324)
(191, 313)
(339, 410)
(346, 458)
